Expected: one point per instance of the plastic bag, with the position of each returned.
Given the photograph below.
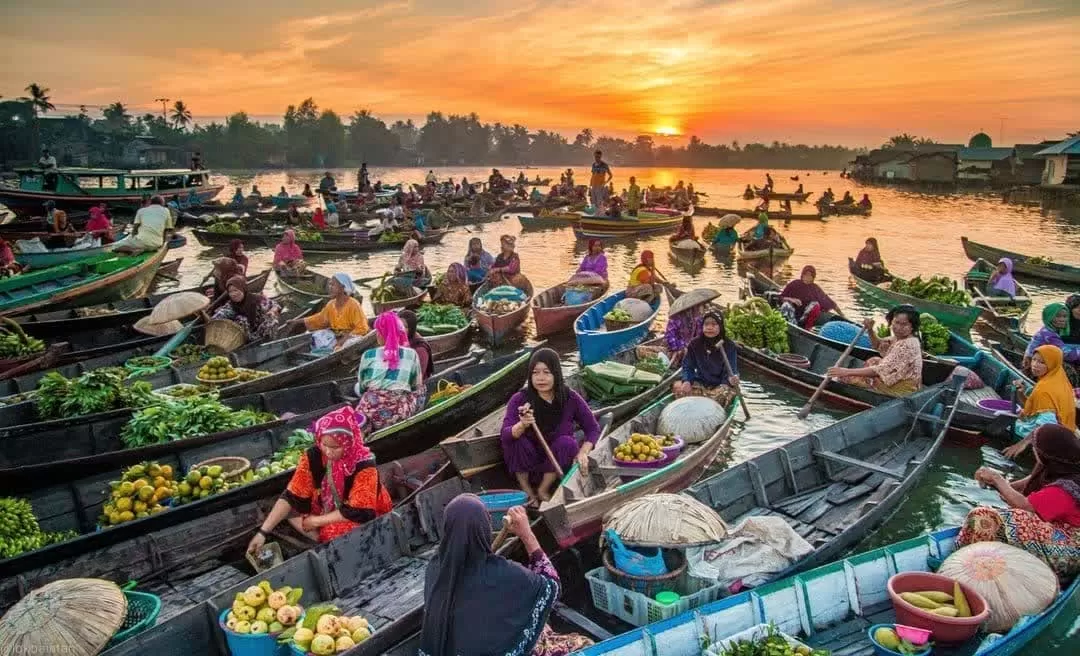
(693, 418)
(638, 309)
(634, 562)
(323, 340)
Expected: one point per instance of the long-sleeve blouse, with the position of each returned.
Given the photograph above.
(594, 264)
(575, 412)
(266, 312)
(349, 319)
(1044, 336)
(510, 266)
(363, 499)
(710, 370)
(901, 360)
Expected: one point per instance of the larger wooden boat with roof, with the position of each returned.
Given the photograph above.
(86, 282)
(82, 188)
(1025, 265)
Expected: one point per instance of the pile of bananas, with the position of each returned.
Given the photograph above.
(19, 530)
(14, 343)
(938, 288)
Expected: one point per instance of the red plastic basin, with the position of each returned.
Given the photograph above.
(945, 629)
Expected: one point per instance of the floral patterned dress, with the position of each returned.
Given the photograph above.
(899, 370)
(550, 643)
(267, 313)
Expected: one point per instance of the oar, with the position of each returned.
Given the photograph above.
(502, 535)
(825, 379)
(547, 450)
(738, 386)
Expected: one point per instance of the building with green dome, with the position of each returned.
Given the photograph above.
(980, 140)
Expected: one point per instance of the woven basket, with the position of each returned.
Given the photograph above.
(649, 586)
(794, 359)
(80, 615)
(612, 326)
(232, 467)
(224, 336)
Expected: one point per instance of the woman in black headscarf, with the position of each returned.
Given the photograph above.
(418, 343)
(1072, 334)
(477, 603)
(705, 370)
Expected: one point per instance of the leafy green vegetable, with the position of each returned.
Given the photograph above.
(935, 337)
(938, 288)
(436, 319)
(757, 325)
(176, 419)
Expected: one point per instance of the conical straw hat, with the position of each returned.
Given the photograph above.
(729, 220)
(177, 306)
(693, 298)
(147, 327)
(666, 520)
(76, 617)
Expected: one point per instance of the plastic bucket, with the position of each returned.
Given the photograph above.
(998, 405)
(247, 644)
(498, 502)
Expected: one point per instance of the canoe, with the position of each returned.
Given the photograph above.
(552, 316)
(553, 220)
(283, 202)
(777, 195)
(1003, 313)
(1023, 264)
(86, 282)
(250, 239)
(955, 317)
(108, 322)
(361, 243)
(187, 543)
(376, 571)
(831, 607)
(773, 216)
(643, 224)
(311, 284)
(771, 254)
(408, 302)
(58, 256)
(845, 210)
(577, 508)
(477, 448)
(596, 343)
(687, 255)
(496, 327)
(290, 361)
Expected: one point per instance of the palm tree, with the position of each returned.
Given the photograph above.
(180, 115)
(116, 115)
(39, 98)
(900, 141)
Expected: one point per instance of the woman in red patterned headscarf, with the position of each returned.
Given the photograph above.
(335, 487)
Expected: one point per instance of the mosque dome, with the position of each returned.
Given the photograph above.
(980, 140)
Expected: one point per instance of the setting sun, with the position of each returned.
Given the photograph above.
(667, 131)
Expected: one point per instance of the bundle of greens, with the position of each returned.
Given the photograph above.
(309, 235)
(177, 419)
(757, 325)
(938, 288)
(286, 457)
(435, 319)
(935, 336)
(226, 227)
(100, 390)
(393, 238)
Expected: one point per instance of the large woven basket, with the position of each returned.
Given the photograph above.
(649, 586)
(224, 336)
(612, 326)
(232, 467)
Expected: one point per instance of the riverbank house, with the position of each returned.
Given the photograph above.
(1061, 168)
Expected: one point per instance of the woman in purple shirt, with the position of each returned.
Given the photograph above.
(593, 267)
(555, 410)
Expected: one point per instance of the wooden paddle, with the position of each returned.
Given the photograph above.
(547, 450)
(805, 411)
(738, 386)
(504, 532)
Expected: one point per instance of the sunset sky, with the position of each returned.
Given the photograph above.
(813, 71)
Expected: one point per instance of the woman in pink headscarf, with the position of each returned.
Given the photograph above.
(335, 487)
(288, 258)
(411, 271)
(99, 224)
(390, 381)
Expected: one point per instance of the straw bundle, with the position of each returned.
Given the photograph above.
(666, 520)
(72, 616)
(177, 306)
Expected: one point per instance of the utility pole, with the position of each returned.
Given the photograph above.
(1001, 129)
(164, 102)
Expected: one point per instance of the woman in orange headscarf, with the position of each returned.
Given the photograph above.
(1051, 401)
(644, 279)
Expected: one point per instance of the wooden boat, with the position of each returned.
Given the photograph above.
(955, 317)
(770, 254)
(1023, 264)
(596, 343)
(1004, 313)
(845, 210)
(311, 284)
(250, 239)
(773, 215)
(552, 316)
(477, 449)
(185, 553)
(290, 361)
(408, 302)
(778, 195)
(58, 256)
(284, 202)
(645, 223)
(552, 220)
(91, 448)
(81, 189)
(831, 607)
(496, 327)
(108, 322)
(577, 508)
(86, 282)
(690, 255)
(361, 243)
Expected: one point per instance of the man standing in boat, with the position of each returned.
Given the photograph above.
(47, 164)
(601, 176)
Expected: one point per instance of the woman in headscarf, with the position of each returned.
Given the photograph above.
(389, 382)
(506, 269)
(762, 235)
(288, 258)
(593, 267)
(236, 254)
(682, 327)
(1001, 282)
(466, 581)
(644, 280)
(308, 193)
(342, 315)
(335, 487)
(61, 230)
(1056, 325)
(224, 269)
(238, 198)
(803, 301)
(477, 261)
(1043, 514)
(318, 219)
(1072, 304)
(453, 289)
(899, 371)
(726, 237)
(705, 372)
(411, 271)
(255, 313)
(8, 265)
(417, 343)
(1051, 401)
(556, 411)
(99, 224)
(871, 266)
(685, 231)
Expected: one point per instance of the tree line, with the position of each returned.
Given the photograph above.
(310, 136)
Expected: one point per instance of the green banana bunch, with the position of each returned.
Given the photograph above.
(15, 343)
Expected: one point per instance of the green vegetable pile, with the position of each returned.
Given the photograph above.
(226, 227)
(435, 319)
(938, 288)
(100, 390)
(14, 343)
(188, 354)
(286, 457)
(19, 529)
(652, 364)
(178, 419)
(709, 233)
(935, 337)
(393, 238)
(1040, 260)
(618, 314)
(309, 235)
(757, 325)
(773, 644)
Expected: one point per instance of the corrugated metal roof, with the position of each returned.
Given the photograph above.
(984, 154)
(1067, 147)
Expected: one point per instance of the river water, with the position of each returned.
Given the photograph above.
(919, 233)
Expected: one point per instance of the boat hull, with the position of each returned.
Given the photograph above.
(552, 318)
(59, 256)
(496, 327)
(955, 317)
(31, 201)
(596, 344)
(772, 254)
(1021, 265)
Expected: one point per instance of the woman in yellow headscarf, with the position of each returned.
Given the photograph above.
(1052, 401)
